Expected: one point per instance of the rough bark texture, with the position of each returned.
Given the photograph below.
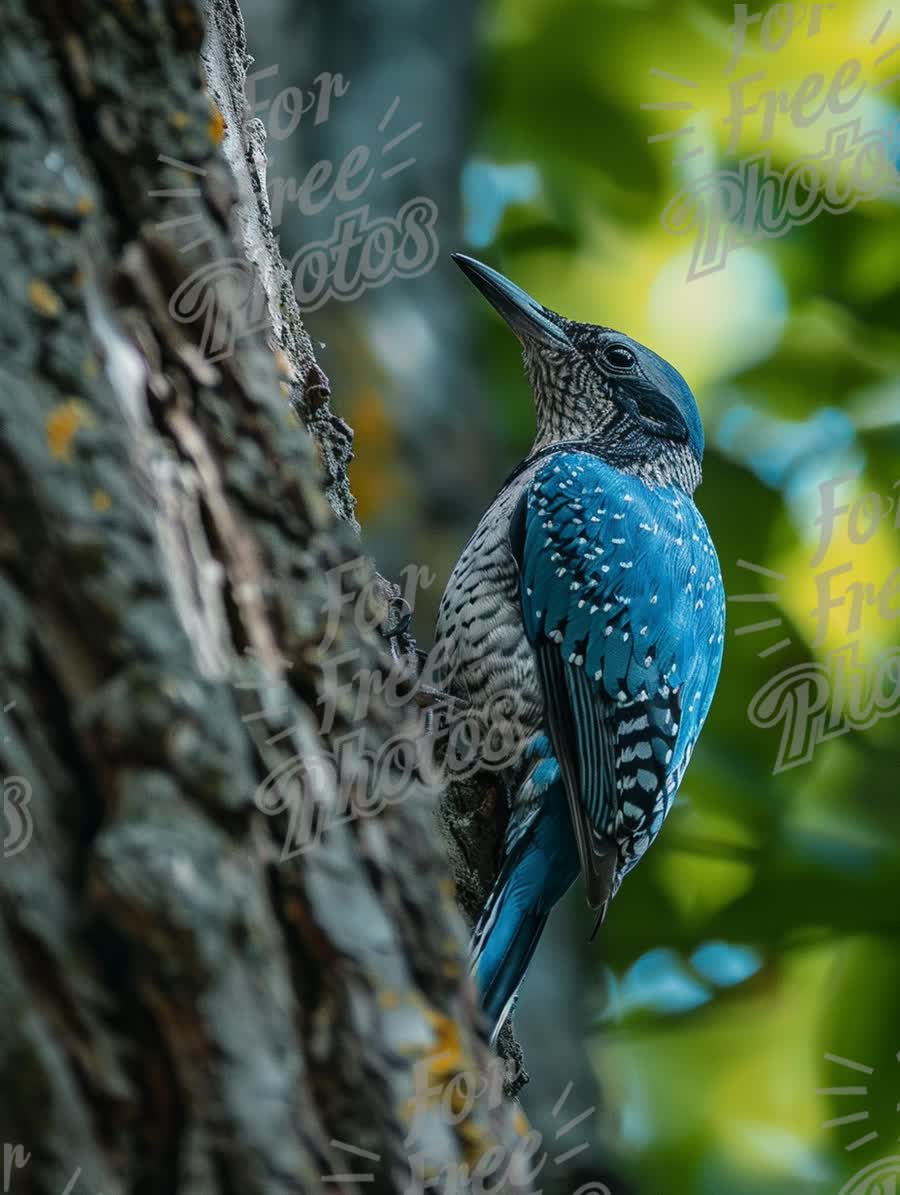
(416, 59)
(244, 147)
(184, 1004)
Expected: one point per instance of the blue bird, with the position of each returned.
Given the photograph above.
(588, 605)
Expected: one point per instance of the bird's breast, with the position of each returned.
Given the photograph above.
(487, 660)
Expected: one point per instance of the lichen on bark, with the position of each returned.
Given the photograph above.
(184, 1006)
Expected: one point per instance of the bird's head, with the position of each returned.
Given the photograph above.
(597, 384)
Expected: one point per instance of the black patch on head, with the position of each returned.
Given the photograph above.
(641, 382)
(657, 412)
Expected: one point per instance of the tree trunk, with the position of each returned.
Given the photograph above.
(212, 979)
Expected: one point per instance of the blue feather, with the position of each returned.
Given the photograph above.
(591, 588)
(622, 600)
(536, 873)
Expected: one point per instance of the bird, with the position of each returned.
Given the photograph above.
(588, 605)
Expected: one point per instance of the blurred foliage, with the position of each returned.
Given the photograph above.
(760, 934)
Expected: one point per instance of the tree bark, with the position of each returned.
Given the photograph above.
(189, 999)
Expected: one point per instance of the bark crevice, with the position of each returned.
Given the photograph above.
(185, 1005)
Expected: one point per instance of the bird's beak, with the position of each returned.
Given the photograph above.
(527, 318)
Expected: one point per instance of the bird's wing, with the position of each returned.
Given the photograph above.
(622, 603)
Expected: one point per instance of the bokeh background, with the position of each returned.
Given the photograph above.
(760, 936)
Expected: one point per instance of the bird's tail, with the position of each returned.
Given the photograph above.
(541, 865)
(505, 939)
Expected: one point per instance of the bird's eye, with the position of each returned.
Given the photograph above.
(617, 356)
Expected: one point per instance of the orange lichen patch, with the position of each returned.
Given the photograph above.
(372, 471)
(62, 424)
(179, 119)
(85, 205)
(458, 1090)
(216, 127)
(389, 999)
(101, 501)
(520, 1123)
(449, 1056)
(44, 299)
(444, 1061)
(476, 1142)
(457, 1086)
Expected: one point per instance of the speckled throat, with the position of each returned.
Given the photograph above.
(576, 411)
